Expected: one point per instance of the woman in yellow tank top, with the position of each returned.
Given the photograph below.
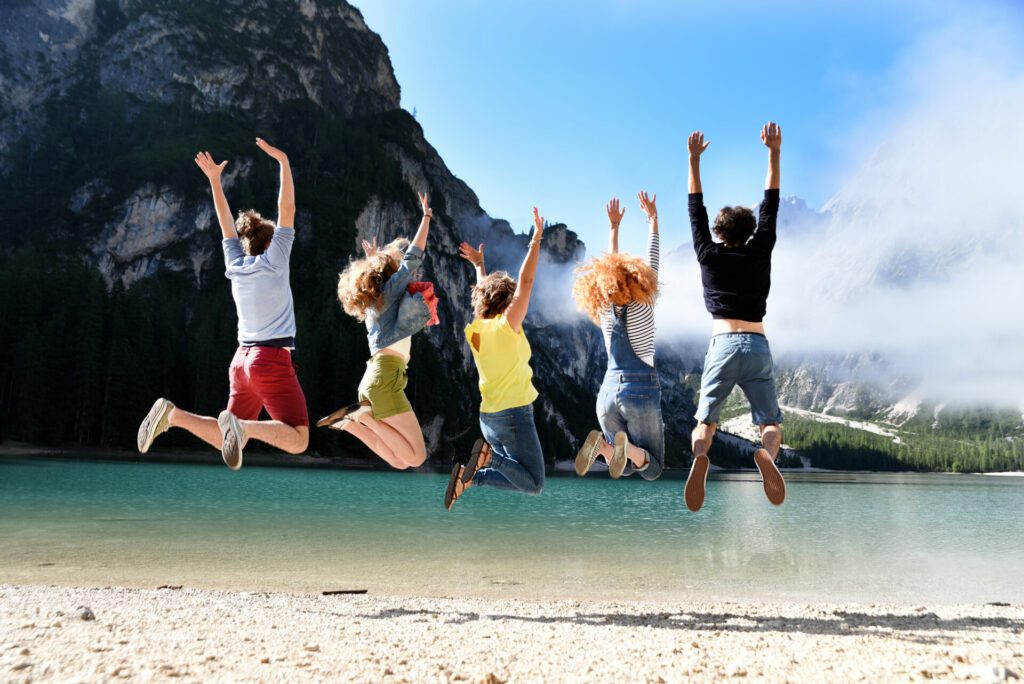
(509, 456)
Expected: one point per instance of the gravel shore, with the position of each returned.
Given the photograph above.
(70, 634)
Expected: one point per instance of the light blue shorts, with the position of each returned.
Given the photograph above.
(742, 359)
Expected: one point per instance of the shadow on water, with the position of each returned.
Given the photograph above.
(913, 627)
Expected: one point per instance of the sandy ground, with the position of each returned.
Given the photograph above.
(209, 636)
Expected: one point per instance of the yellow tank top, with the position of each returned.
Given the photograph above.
(503, 362)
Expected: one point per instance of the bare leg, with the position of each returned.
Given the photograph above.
(637, 455)
(771, 439)
(375, 443)
(400, 447)
(203, 427)
(634, 453)
(292, 440)
(408, 426)
(701, 438)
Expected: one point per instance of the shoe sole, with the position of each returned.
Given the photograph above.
(588, 453)
(147, 430)
(335, 418)
(230, 448)
(449, 494)
(696, 483)
(774, 485)
(618, 464)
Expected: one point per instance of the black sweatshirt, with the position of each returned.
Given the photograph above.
(736, 279)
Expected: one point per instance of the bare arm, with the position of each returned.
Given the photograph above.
(475, 257)
(213, 171)
(286, 196)
(420, 239)
(614, 219)
(771, 136)
(521, 299)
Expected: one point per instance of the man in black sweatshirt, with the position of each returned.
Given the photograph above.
(736, 274)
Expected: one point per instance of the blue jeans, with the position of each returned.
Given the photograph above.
(631, 402)
(517, 462)
(742, 359)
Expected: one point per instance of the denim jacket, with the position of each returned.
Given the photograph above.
(400, 314)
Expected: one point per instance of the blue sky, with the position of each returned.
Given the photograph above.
(564, 104)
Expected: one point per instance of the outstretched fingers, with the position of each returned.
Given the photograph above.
(425, 204)
(614, 213)
(696, 143)
(647, 204)
(475, 256)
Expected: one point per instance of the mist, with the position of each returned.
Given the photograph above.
(918, 255)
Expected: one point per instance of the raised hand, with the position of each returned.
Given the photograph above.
(370, 246)
(771, 136)
(277, 154)
(473, 256)
(647, 205)
(538, 225)
(696, 144)
(212, 169)
(425, 204)
(614, 215)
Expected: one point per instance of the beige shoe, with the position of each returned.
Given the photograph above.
(618, 463)
(232, 439)
(696, 483)
(774, 485)
(588, 452)
(156, 422)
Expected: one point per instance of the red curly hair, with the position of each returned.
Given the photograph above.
(617, 279)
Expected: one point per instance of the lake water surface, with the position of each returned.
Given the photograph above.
(839, 537)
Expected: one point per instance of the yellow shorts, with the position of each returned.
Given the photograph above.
(383, 385)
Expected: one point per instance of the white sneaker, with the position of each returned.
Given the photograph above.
(156, 422)
(232, 439)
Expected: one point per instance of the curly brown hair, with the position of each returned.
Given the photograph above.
(493, 295)
(613, 279)
(360, 284)
(254, 231)
(734, 225)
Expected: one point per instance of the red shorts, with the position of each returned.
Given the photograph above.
(265, 377)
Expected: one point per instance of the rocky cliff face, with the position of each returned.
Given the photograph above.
(110, 99)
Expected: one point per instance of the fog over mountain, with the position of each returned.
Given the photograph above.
(917, 257)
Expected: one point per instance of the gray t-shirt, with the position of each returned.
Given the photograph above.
(261, 288)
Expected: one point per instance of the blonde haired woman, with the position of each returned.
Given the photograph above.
(617, 291)
(379, 291)
(509, 456)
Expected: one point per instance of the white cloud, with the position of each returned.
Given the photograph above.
(923, 257)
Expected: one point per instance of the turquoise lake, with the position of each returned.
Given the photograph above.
(839, 537)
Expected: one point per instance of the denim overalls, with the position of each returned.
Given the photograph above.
(630, 401)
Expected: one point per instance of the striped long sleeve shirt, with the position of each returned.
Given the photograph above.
(639, 317)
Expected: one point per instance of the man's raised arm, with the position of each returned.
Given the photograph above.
(213, 171)
(286, 196)
(699, 224)
(771, 136)
(768, 213)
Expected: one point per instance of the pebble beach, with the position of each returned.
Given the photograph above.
(74, 634)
